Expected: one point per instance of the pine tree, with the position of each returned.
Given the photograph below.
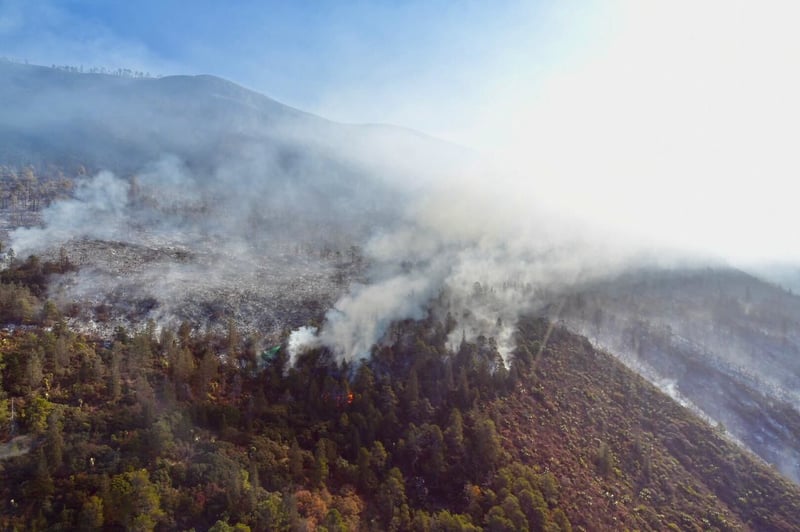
(54, 442)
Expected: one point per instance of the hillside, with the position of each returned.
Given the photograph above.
(175, 241)
(121, 124)
(211, 158)
(626, 455)
(722, 340)
(219, 201)
(188, 429)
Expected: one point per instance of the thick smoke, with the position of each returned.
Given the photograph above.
(300, 340)
(97, 211)
(262, 214)
(259, 239)
(176, 241)
(478, 249)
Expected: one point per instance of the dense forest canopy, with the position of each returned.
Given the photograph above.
(185, 429)
(283, 337)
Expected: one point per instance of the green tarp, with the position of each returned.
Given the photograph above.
(270, 353)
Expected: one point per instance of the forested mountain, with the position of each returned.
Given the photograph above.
(168, 242)
(720, 339)
(185, 429)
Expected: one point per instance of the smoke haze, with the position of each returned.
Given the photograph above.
(376, 222)
(674, 123)
(648, 140)
(604, 138)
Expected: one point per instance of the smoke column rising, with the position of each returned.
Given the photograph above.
(471, 250)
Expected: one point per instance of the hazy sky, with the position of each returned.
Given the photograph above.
(380, 61)
(676, 121)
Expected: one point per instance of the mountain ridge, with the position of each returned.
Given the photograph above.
(159, 107)
(240, 215)
(722, 339)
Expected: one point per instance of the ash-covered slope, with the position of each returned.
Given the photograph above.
(202, 198)
(718, 338)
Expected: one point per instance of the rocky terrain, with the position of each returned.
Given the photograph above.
(120, 283)
(266, 285)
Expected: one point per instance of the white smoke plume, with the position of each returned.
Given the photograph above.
(274, 216)
(247, 240)
(96, 211)
(301, 340)
(480, 255)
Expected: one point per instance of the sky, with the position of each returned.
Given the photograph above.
(674, 122)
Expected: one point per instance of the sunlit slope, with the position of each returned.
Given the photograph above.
(625, 454)
(719, 338)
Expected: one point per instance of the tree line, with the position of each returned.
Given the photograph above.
(181, 429)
